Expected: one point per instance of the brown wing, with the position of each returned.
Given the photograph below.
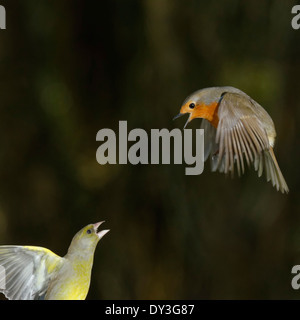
(242, 135)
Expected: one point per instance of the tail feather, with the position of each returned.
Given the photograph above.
(265, 161)
(273, 171)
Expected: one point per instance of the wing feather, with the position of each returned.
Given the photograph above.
(25, 275)
(241, 135)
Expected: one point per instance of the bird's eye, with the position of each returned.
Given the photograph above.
(89, 231)
(192, 105)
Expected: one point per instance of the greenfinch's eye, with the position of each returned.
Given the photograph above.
(192, 105)
(89, 231)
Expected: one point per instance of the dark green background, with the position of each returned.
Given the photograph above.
(71, 68)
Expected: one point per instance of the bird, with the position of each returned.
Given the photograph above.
(237, 129)
(36, 273)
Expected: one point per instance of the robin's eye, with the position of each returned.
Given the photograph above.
(89, 231)
(192, 105)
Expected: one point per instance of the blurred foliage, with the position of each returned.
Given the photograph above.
(71, 68)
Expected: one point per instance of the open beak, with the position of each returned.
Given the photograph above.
(101, 233)
(178, 116)
(182, 114)
(187, 121)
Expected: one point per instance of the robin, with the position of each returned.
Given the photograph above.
(34, 273)
(237, 128)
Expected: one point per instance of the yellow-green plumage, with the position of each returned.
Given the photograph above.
(37, 273)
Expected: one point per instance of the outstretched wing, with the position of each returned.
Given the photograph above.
(241, 135)
(26, 271)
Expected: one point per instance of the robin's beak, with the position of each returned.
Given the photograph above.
(187, 121)
(178, 116)
(182, 114)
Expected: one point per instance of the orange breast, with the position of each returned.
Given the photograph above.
(208, 112)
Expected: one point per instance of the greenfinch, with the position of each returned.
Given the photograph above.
(33, 273)
(236, 128)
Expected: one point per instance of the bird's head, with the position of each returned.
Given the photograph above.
(87, 238)
(202, 104)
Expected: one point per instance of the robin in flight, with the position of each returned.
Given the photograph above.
(36, 273)
(237, 130)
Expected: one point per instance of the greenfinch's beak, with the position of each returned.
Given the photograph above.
(102, 232)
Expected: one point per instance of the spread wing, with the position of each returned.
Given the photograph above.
(25, 272)
(243, 137)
